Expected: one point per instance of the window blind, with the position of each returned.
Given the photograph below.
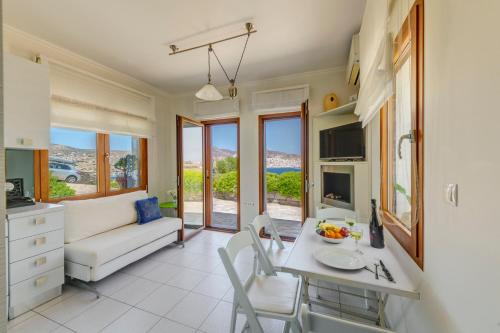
(84, 101)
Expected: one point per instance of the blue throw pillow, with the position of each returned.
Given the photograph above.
(147, 210)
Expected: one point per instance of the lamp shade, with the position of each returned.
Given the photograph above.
(209, 93)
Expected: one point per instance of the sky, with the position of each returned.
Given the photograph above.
(86, 139)
(281, 135)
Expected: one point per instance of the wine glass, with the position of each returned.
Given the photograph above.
(350, 222)
(357, 234)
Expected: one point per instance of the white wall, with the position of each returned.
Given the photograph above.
(460, 282)
(24, 45)
(320, 83)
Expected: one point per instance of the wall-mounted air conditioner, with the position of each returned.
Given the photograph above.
(352, 70)
(280, 100)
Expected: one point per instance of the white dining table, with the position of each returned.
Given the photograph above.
(302, 262)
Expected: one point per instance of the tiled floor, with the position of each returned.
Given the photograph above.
(174, 290)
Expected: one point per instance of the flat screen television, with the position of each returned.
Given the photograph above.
(342, 143)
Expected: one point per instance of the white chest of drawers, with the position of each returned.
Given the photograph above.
(35, 255)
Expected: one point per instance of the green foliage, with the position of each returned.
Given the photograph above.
(225, 183)
(114, 184)
(399, 188)
(59, 189)
(289, 184)
(193, 184)
(272, 182)
(226, 165)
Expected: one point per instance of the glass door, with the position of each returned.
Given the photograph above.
(222, 165)
(191, 175)
(283, 177)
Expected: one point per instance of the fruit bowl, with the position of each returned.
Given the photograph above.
(331, 233)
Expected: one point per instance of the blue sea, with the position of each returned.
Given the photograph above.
(279, 171)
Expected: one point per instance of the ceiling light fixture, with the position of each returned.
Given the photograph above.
(208, 92)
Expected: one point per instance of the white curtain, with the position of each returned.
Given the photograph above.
(84, 101)
(378, 86)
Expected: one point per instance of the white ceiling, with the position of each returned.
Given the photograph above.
(131, 36)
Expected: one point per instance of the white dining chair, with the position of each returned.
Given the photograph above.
(334, 213)
(319, 323)
(267, 296)
(275, 254)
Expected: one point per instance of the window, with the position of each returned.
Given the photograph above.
(83, 164)
(72, 163)
(401, 124)
(124, 160)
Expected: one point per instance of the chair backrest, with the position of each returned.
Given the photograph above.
(318, 323)
(263, 221)
(228, 254)
(334, 213)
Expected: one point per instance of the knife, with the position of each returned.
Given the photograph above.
(386, 271)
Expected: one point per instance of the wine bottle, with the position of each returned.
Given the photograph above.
(376, 229)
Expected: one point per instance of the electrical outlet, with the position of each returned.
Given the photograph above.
(25, 141)
(451, 194)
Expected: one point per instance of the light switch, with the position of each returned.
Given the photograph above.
(451, 194)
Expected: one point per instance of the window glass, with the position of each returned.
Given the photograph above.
(72, 163)
(401, 119)
(124, 161)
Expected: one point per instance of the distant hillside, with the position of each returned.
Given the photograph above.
(220, 153)
(83, 159)
(275, 159)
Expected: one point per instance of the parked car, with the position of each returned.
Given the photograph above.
(64, 172)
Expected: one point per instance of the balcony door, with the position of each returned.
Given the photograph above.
(222, 190)
(283, 171)
(190, 176)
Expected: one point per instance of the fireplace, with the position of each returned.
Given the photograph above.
(337, 186)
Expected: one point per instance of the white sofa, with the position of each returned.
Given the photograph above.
(101, 235)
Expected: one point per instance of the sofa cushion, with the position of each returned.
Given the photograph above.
(147, 210)
(99, 249)
(86, 218)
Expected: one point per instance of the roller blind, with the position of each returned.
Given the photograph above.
(280, 100)
(226, 107)
(375, 47)
(84, 101)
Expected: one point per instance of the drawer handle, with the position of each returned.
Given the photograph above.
(40, 261)
(40, 241)
(41, 281)
(39, 220)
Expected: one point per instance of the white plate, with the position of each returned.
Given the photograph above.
(339, 258)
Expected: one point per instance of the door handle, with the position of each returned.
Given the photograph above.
(411, 136)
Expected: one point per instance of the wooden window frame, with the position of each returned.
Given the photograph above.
(408, 42)
(41, 172)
